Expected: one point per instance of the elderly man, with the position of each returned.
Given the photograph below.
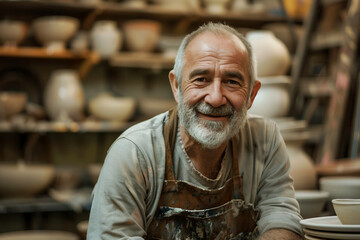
(204, 170)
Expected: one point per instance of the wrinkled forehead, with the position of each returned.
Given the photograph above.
(214, 41)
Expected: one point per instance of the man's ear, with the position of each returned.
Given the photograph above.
(174, 85)
(254, 91)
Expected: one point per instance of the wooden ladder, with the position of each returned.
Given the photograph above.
(330, 90)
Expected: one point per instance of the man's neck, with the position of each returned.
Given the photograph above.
(206, 161)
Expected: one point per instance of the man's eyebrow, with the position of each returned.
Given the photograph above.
(198, 72)
(234, 74)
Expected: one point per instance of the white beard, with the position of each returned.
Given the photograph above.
(210, 134)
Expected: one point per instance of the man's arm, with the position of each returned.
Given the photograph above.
(279, 234)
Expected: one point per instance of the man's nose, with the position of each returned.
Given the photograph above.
(215, 95)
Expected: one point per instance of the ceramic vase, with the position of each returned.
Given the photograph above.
(273, 98)
(272, 56)
(106, 38)
(64, 96)
(302, 167)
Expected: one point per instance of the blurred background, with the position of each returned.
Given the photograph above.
(75, 74)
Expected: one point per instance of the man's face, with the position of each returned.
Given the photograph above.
(214, 93)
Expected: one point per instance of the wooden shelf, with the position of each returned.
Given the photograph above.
(123, 9)
(143, 60)
(60, 127)
(88, 58)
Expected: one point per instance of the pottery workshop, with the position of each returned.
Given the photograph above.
(109, 107)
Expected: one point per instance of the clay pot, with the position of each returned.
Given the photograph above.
(302, 167)
(216, 6)
(149, 107)
(108, 107)
(273, 98)
(12, 32)
(311, 202)
(106, 38)
(54, 31)
(24, 180)
(12, 103)
(142, 35)
(272, 56)
(39, 235)
(64, 97)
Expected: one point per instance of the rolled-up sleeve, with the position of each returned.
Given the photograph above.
(275, 194)
(118, 206)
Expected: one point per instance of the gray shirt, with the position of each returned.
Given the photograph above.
(126, 195)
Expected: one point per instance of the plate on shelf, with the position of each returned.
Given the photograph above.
(329, 223)
(332, 235)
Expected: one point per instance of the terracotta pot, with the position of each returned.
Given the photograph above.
(64, 97)
(271, 54)
(273, 98)
(106, 38)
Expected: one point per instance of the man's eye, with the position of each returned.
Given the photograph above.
(233, 82)
(200, 79)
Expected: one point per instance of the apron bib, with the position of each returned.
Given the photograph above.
(188, 212)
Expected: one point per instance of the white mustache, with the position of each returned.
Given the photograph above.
(207, 109)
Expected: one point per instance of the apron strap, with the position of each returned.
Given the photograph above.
(170, 130)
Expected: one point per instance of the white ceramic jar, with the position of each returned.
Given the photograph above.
(272, 56)
(106, 38)
(64, 96)
(273, 98)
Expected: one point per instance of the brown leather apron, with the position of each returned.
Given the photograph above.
(187, 212)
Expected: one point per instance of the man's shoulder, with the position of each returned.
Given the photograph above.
(257, 121)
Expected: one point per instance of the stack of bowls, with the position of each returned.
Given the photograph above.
(345, 225)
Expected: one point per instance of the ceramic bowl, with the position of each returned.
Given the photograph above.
(111, 108)
(12, 32)
(142, 35)
(341, 187)
(347, 210)
(149, 107)
(23, 180)
(54, 31)
(312, 202)
(12, 103)
(39, 235)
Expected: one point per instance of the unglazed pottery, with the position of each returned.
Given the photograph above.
(273, 98)
(272, 56)
(348, 210)
(24, 180)
(302, 166)
(142, 35)
(149, 107)
(312, 202)
(64, 96)
(12, 32)
(108, 107)
(216, 6)
(106, 38)
(55, 31)
(11, 103)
